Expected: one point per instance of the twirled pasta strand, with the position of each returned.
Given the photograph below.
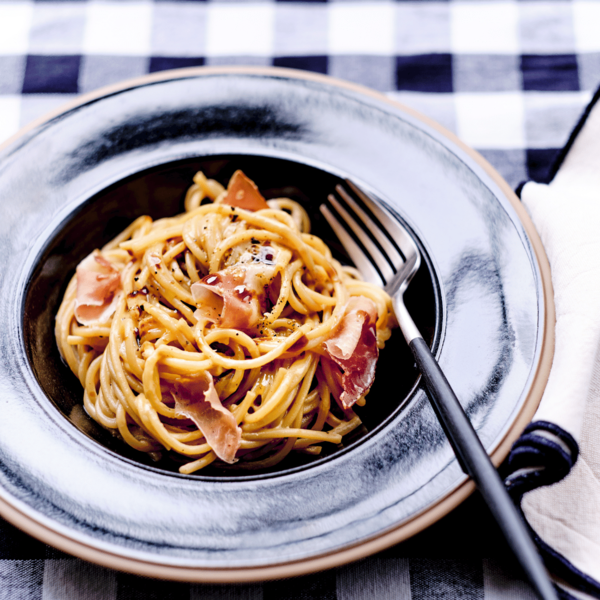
(273, 381)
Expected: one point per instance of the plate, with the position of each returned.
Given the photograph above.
(78, 175)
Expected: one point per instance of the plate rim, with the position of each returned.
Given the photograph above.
(392, 536)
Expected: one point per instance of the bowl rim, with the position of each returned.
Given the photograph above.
(396, 534)
(45, 249)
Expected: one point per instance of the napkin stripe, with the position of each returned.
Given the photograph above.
(544, 454)
(543, 164)
(560, 158)
(560, 567)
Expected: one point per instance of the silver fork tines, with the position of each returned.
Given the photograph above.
(381, 248)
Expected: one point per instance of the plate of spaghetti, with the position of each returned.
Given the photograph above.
(202, 333)
(196, 383)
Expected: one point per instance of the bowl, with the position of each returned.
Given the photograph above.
(160, 192)
(72, 180)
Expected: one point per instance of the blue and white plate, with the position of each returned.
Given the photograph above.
(70, 182)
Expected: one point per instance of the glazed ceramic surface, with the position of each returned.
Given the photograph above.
(70, 183)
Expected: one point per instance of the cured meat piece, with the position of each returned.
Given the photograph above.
(243, 193)
(98, 283)
(197, 399)
(353, 346)
(234, 297)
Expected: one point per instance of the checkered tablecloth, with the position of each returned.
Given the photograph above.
(463, 557)
(509, 77)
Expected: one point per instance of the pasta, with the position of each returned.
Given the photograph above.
(227, 333)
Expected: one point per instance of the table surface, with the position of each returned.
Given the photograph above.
(510, 78)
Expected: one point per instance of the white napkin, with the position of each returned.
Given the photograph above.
(566, 213)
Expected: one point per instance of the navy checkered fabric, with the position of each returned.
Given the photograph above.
(31, 571)
(509, 77)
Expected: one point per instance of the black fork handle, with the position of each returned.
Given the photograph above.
(476, 463)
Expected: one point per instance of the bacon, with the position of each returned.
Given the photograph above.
(243, 193)
(97, 285)
(353, 347)
(197, 399)
(234, 297)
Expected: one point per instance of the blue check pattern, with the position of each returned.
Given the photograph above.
(31, 571)
(509, 77)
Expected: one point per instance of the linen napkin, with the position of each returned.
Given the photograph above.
(556, 463)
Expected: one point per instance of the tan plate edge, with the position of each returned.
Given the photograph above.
(363, 549)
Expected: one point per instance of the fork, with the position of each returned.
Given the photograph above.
(390, 257)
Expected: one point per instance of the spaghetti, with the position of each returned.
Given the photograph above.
(226, 333)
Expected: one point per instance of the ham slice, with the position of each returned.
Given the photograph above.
(98, 283)
(233, 298)
(243, 193)
(197, 399)
(353, 347)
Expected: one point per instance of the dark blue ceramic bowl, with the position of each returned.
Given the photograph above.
(72, 181)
